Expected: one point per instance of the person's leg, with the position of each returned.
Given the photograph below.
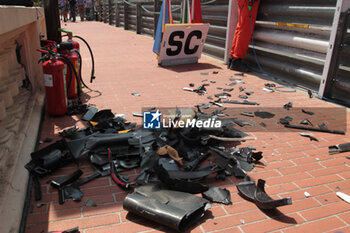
(73, 13)
(81, 13)
(243, 34)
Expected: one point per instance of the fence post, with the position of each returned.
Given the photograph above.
(99, 11)
(117, 23)
(105, 8)
(126, 23)
(110, 8)
(156, 8)
(138, 18)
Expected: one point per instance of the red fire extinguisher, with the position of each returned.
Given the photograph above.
(55, 87)
(55, 81)
(66, 48)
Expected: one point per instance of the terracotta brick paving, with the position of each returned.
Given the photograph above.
(292, 164)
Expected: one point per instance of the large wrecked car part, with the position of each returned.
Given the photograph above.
(174, 209)
(49, 158)
(339, 148)
(249, 191)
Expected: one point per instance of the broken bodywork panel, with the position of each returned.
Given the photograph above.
(177, 210)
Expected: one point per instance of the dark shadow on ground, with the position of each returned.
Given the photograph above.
(191, 67)
(279, 216)
(142, 221)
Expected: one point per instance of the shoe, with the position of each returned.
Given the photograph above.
(237, 65)
(229, 62)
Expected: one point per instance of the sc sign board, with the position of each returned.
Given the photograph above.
(182, 43)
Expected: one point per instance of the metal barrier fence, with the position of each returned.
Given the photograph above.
(291, 37)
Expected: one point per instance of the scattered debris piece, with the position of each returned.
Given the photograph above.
(262, 124)
(242, 123)
(230, 84)
(204, 80)
(243, 96)
(241, 89)
(269, 85)
(264, 115)
(314, 129)
(228, 89)
(309, 135)
(249, 92)
(136, 114)
(239, 74)
(135, 94)
(210, 98)
(212, 81)
(249, 191)
(90, 113)
(248, 114)
(215, 72)
(323, 126)
(89, 202)
(285, 120)
(242, 221)
(67, 179)
(204, 105)
(288, 105)
(204, 73)
(41, 204)
(218, 195)
(268, 89)
(307, 112)
(191, 84)
(187, 89)
(339, 148)
(306, 122)
(246, 102)
(216, 103)
(307, 195)
(219, 88)
(343, 196)
(220, 95)
(237, 80)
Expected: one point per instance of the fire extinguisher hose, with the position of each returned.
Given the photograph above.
(80, 67)
(92, 77)
(72, 69)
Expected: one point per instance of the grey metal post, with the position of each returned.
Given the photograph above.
(126, 23)
(117, 14)
(335, 45)
(138, 18)
(110, 8)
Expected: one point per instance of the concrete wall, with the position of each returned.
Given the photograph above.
(20, 107)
